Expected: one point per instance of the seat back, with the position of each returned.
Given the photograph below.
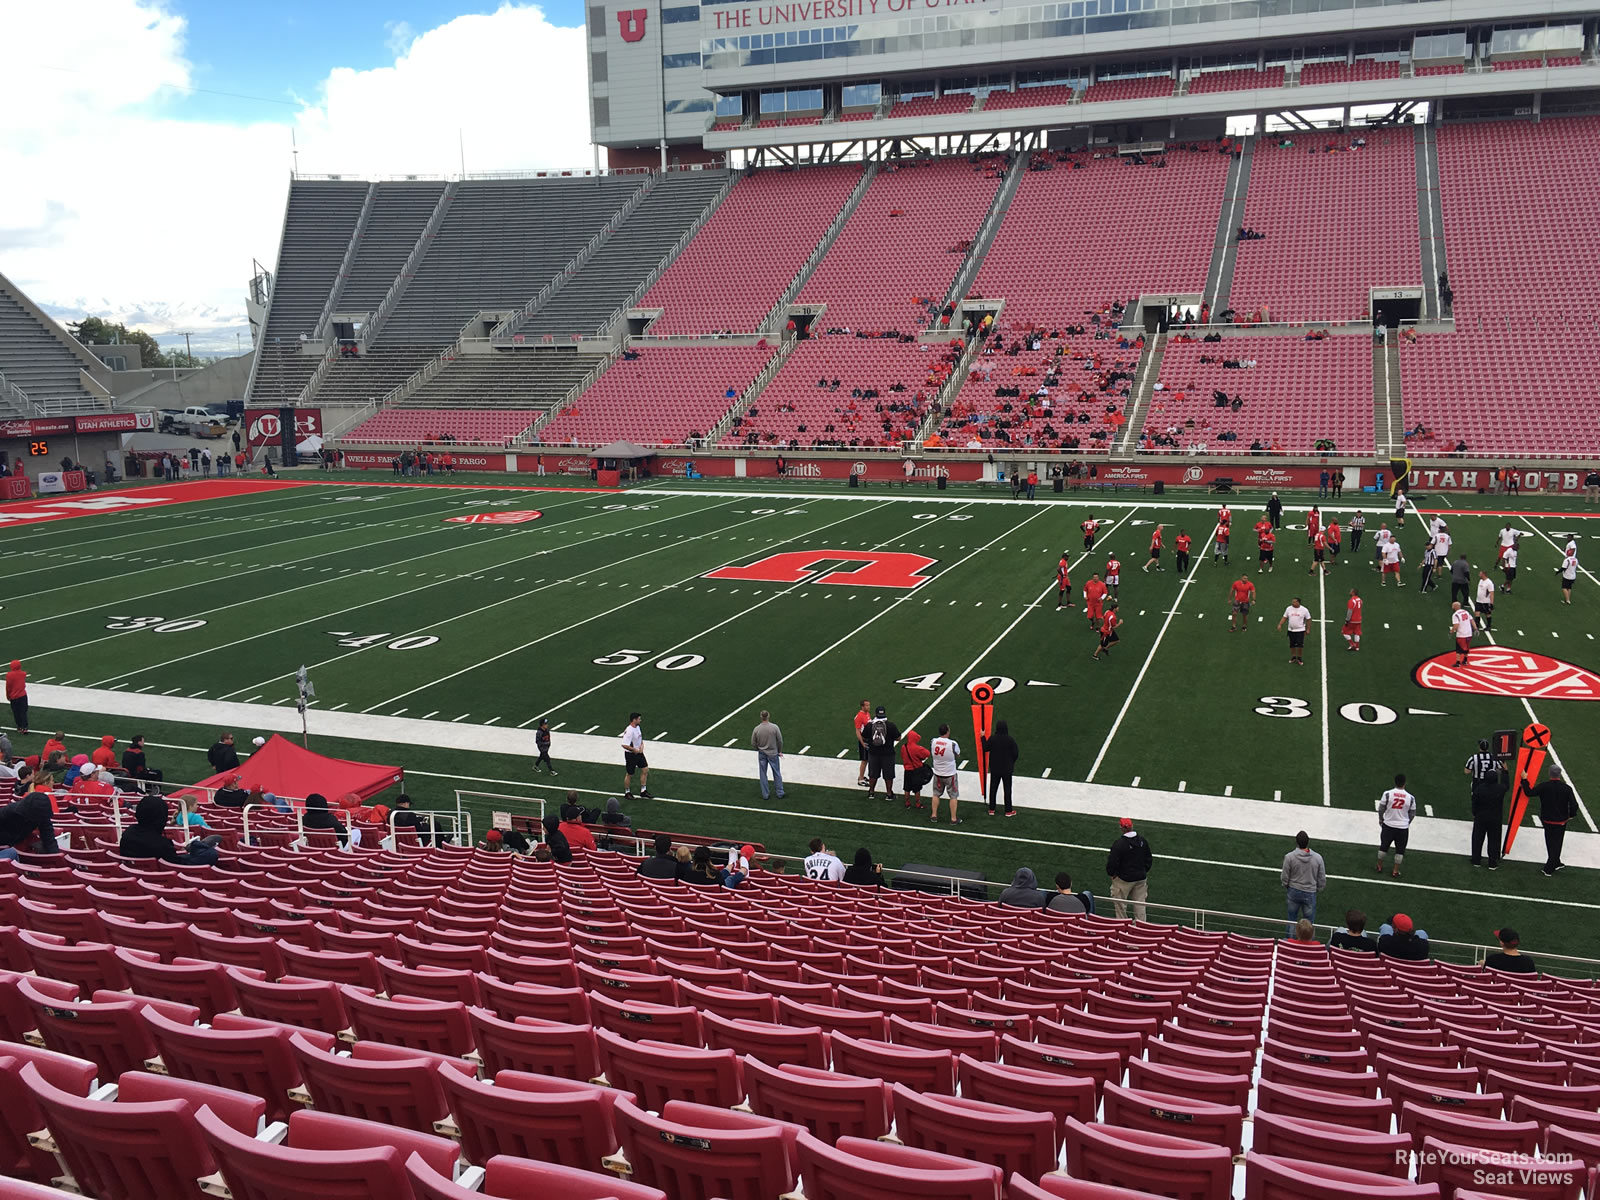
(532, 1116)
(529, 1044)
(923, 1070)
(1156, 1162)
(857, 1169)
(291, 1000)
(437, 1026)
(1008, 1138)
(1062, 1096)
(1199, 1120)
(111, 1035)
(405, 1092)
(1337, 1145)
(20, 1115)
(1270, 1177)
(655, 1072)
(828, 1103)
(519, 1178)
(256, 1062)
(772, 1043)
(691, 1162)
(203, 985)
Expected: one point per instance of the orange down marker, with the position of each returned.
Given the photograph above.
(982, 726)
(1535, 745)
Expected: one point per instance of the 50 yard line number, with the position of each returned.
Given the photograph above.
(627, 658)
(1361, 713)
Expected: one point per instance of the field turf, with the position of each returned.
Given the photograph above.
(602, 605)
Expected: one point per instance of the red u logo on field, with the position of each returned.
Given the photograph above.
(883, 569)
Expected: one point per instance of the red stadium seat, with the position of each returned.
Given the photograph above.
(510, 999)
(856, 1169)
(1358, 1112)
(531, 1116)
(1271, 1177)
(257, 1062)
(924, 1070)
(642, 1020)
(204, 986)
(1188, 1081)
(1167, 1165)
(388, 1085)
(439, 1027)
(1062, 1096)
(112, 1035)
(1418, 1121)
(830, 1104)
(1335, 1145)
(529, 1044)
(291, 1000)
(656, 1072)
(695, 1152)
(773, 1044)
(1157, 1112)
(145, 1146)
(519, 1179)
(1012, 1139)
(1059, 1187)
(20, 1116)
(323, 1155)
(1459, 1168)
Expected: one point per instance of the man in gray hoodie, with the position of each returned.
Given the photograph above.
(767, 741)
(1304, 875)
(1024, 891)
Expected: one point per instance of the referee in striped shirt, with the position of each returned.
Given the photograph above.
(1430, 559)
(1488, 803)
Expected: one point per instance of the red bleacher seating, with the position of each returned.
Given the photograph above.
(1138, 88)
(1030, 97)
(1236, 80)
(927, 106)
(1337, 72)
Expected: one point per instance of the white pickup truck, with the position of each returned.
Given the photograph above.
(197, 420)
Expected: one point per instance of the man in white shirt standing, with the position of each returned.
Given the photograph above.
(1508, 566)
(945, 753)
(1462, 625)
(1379, 541)
(1484, 603)
(1391, 563)
(1297, 616)
(1569, 572)
(1508, 538)
(823, 863)
(1397, 808)
(633, 759)
(1442, 541)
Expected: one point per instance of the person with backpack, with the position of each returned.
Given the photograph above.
(1128, 865)
(541, 742)
(879, 735)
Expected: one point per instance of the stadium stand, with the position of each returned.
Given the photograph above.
(504, 378)
(1034, 97)
(1339, 217)
(1136, 88)
(317, 226)
(716, 283)
(1501, 383)
(661, 396)
(39, 357)
(899, 250)
(905, 377)
(1337, 72)
(399, 214)
(604, 283)
(1092, 1091)
(1235, 80)
(927, 106)
(420, 426)
(1298, 392)
(501, 241)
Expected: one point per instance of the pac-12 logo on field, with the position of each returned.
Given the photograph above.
(630, 23)
(511, 517)
(884, 569)
(1507, 671)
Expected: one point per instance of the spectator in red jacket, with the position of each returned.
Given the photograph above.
(17, 694)
(104, 755)
(572, 826)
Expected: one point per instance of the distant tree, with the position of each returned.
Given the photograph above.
(93, 331)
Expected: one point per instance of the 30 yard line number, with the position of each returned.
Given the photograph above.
(155, 624)
(1361, 713)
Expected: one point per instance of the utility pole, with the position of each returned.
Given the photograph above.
(188, 353)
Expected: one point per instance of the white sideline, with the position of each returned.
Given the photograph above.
(1232, 813)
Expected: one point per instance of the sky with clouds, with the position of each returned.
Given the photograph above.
(148, 162)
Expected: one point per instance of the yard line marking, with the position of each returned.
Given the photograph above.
(462, 717)
(804, 749)
(1183, 785)
(65, 682)
(1228, 791)
(1127, 702)
(252, 699)
(883, 612)
(270, 596)
(425, 716)
(730, 742)
(169, 691)
(1135, 782)
(549, 710)
(591, 729)
(660, 737)
(491, 720)
(1427, 810)
(556, 726)
(46, 679)
(339, 705)
(1277, 797)
(145, 688)
(962, 765)
(959, 681)
(1322, 635)
(1046, 774)
(197, 695)
(841, 753)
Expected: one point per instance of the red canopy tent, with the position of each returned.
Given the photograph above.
(285, 769)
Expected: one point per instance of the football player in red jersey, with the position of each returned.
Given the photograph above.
(1113, 574)
(1090, 528)
(1244, 595)
(1352, 621)
(1313, 523)
(1064, 583)
(1219, 548)
(1155, 552)
(1094, 595)
(1181, 547)
(1268, 543)
(1109, 624)
(1319, 553)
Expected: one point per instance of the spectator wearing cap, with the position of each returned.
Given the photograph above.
(879, 736)
(1401, 939)
(1509, 957)
(231, 794)
(1304, 876)
(494, 842)
(1354, 935)
(572, 826)
(663, 864)
(1128, 865)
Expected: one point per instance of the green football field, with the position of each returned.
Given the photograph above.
(606, 602)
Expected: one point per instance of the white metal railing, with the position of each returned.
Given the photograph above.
(774, 317)
(14, 395)
(998, 207)
(947, 394)
(346, 265)
(753, 389)
(349, 421)
(408, 268)
(508, 326)
(530, 435)
(671, 256)
(318, 373)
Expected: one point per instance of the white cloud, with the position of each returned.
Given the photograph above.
(114, 206)
(400, 36)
